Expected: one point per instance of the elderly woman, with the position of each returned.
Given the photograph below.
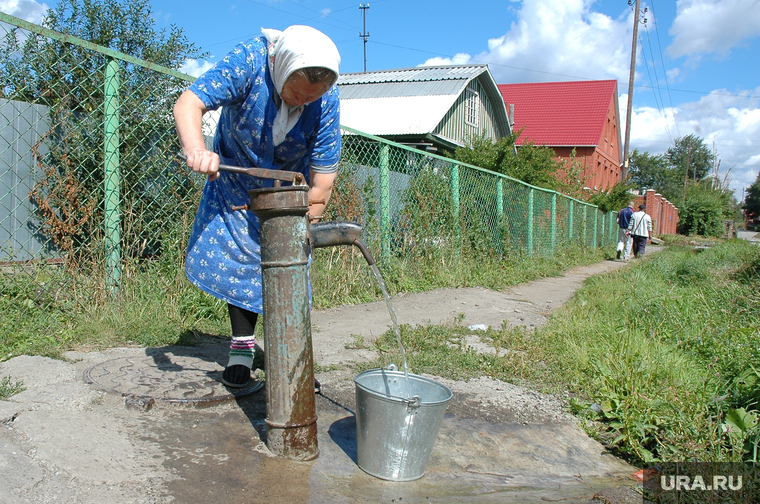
(280, 111)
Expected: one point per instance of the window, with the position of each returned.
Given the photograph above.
(471, 107)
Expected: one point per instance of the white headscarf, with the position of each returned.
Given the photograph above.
(292, 49)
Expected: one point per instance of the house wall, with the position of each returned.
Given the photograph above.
(453, 126)
(601, 164)
(664, 214)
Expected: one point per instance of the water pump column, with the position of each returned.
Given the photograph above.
(291, 408)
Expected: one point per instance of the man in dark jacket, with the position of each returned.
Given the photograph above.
(625, 241)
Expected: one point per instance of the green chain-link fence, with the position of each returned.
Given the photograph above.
(89, 182)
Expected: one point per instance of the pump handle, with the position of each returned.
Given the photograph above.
(287, 176)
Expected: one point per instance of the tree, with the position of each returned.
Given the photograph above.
(533, 165)
(69, 80)
(751, 204)
(691, 157)
(653, 171)
(613, 200)
(704, 210)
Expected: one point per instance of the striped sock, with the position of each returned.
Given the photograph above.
(241, 351)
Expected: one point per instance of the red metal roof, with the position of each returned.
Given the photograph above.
(561, 113)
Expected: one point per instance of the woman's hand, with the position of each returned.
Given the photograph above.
(203, 161)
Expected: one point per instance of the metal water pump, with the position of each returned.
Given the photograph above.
(285, 240)
(286, 237)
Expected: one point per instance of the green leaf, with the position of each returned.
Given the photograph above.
(741, 421)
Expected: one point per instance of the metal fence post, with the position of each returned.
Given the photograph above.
(112, 177)
(500, 209)
(570, 222)
(530, 221)
(455, 202)
(385, 200)
(554, 224)
(585, 225)
(596, 227)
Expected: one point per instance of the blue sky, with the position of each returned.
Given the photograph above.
(697, 68)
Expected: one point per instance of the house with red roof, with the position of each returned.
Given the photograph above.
(567, 116)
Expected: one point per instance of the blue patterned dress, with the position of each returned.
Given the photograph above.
(223, 253)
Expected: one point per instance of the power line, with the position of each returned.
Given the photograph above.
(576, 77)
(660, 104)
(303, 19)
(662, 60)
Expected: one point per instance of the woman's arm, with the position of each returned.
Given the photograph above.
(188, 117)
(319, 193)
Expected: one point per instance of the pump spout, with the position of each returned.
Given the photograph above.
(331, 234)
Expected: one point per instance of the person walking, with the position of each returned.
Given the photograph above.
(640, 228)
(280, 110)
(625, 241)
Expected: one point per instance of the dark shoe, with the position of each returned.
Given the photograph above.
(618, 255)
(236, 376)
(317, 387)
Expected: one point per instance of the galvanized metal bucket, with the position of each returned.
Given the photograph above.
(397, 422)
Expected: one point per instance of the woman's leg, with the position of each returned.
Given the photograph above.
(238, 369)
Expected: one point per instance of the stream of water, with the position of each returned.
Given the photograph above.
(381, 283)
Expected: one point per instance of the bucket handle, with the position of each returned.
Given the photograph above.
(411, 402)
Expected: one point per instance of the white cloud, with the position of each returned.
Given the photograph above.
(729, 121)
(457, 59)
(550, 38)
(195, 67)
(28, 10)
(713, 26)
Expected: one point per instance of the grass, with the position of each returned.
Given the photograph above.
(50, 312)
(9, 388)
(660, 359)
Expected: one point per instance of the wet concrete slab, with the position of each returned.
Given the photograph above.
(473, 460)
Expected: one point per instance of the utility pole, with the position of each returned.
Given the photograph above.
(364, 35)
(624, 172)
(686, 176)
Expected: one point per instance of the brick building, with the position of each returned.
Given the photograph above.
(580, 115)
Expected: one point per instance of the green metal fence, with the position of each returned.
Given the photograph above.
(89, 181)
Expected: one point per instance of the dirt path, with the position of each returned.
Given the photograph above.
(65, 440)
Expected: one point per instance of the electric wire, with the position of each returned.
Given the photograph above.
(655, 84)
(662, 61)
(501, 65)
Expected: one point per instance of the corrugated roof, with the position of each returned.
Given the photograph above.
(407, 100)
(416, 74)
(561, 113)
(387, 89)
